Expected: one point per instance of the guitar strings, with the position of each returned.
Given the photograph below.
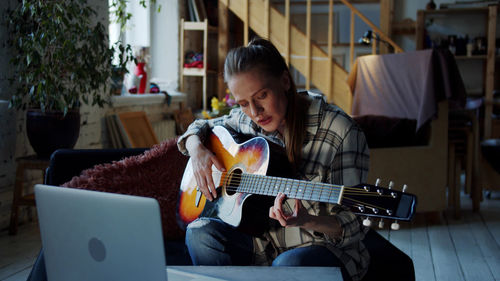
(345, 199)
(367, 205)
(319, 196)
(322, 186)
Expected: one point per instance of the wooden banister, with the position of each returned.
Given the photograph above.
(310, 58)
(375, 29)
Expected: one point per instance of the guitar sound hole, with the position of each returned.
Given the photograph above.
(234, 181)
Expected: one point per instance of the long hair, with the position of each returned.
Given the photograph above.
(262, 55)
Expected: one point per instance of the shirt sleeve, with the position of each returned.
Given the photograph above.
(202, 127)
(351, 162)
(351, 227)
(350, 167)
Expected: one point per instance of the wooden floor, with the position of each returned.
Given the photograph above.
(447, 249)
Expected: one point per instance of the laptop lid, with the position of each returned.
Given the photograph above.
(91, 235)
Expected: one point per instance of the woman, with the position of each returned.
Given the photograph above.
(320, 140)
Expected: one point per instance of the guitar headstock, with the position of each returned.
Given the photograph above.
(382, 202)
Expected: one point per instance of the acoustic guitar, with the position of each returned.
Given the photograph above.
(254, 177)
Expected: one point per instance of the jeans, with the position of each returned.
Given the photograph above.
(211, 241)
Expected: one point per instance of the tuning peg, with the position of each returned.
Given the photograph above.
(377, 182)
(395, 225)
(405, 187)
(381, 223)
(367, 222)
(391, 184)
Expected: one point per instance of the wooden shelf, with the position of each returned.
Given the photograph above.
(193, 71)
(490, 58)
(467, 11)
(205, 28)
(199, 26)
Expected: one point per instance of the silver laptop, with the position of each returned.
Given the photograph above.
(90, 235)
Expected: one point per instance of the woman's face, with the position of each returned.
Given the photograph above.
(262, 98)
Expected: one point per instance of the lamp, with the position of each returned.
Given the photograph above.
(368, 37)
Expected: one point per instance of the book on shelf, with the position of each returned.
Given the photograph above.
(190, 10)
(196, 10)
(200, 9)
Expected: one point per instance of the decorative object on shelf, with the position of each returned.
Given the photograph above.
(470, 47)
(192, 59)
(430, 5)
(480, 48)
(220, 107)
(452, 44)
(140, 72)
(154, 88)
(68, 64)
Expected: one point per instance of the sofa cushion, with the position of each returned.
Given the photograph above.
(156, 173)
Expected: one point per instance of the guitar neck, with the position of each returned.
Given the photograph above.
(297, 189)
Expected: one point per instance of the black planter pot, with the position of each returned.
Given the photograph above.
(50, 131)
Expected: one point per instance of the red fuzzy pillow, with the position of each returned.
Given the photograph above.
(156, 173)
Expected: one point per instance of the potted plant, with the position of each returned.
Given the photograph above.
(61, 58)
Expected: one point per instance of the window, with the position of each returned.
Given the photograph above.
(153, 28)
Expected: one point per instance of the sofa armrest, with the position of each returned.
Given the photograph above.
(67, 163)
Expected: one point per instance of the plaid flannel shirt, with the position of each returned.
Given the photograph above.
(334, 151)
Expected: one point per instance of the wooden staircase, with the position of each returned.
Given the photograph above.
(317, 66)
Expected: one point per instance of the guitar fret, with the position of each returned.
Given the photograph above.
(252, 188)
(243, 183)
(329, 198)
(258, 187)
(295, 188)
(275, 187)
(292, 188)
(252, 182)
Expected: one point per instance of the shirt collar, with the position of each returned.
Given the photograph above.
(315, 112)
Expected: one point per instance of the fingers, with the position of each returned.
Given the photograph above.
(203, 186)
(203, 160)
(212, 192)
(278, 201)
(298, 205)
(276, 211)
(210, 180)
(277, 215)
(218, 164)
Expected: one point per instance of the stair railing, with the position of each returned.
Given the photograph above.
(330, 83)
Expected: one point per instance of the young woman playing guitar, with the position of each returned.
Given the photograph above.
(321, 142)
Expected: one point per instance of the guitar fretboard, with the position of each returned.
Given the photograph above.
(292, 188)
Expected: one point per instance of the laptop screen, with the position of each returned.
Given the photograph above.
(91, 235)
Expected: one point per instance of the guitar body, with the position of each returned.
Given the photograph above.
(251, 157)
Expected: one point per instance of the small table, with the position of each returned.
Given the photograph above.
(24, 163)
(251, 273)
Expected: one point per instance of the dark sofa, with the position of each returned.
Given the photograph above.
(68, 163)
